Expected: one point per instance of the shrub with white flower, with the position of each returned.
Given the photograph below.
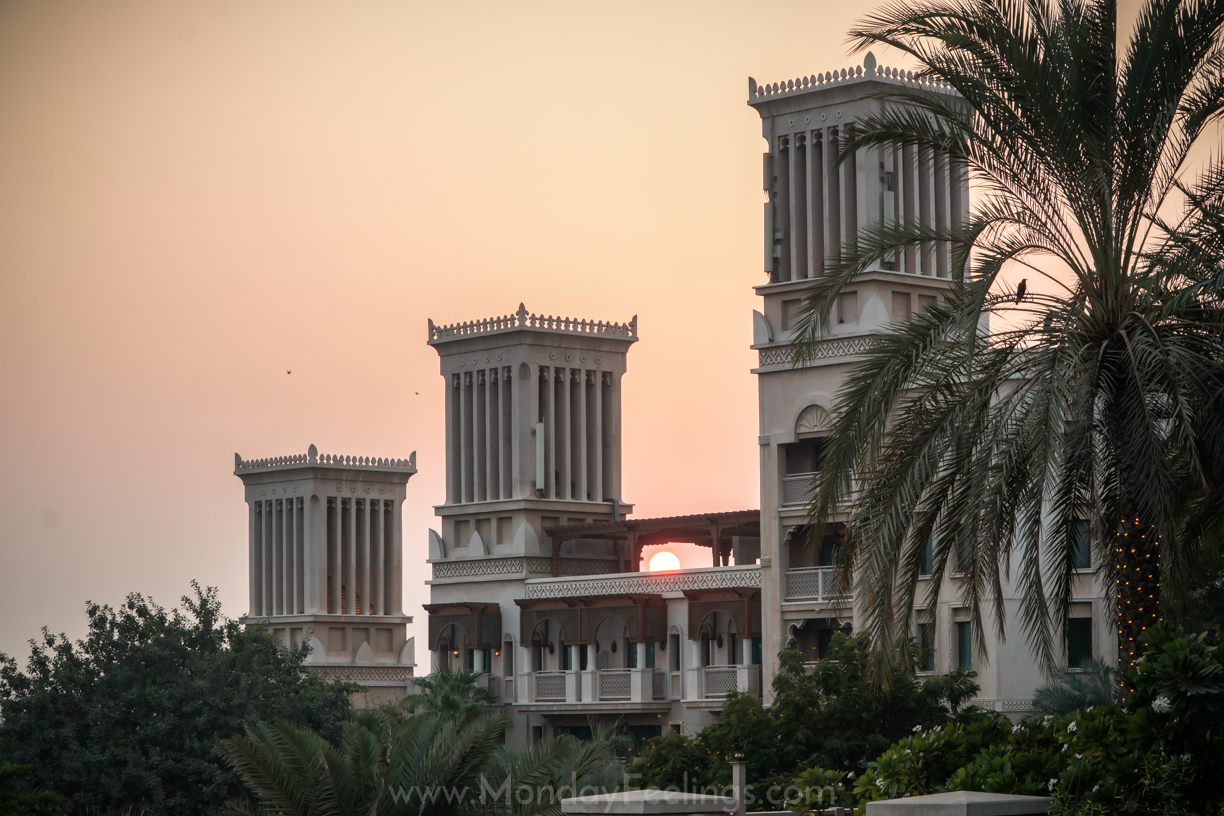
(1072, 727)
(1162, 705)
(1052, 783)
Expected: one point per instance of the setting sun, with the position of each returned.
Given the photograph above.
(663, 561)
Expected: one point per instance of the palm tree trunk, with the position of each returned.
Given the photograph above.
(1136, 555)
(1136, 565)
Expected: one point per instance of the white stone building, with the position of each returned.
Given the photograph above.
(537, 573)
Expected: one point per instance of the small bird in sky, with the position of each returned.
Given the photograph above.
(1020, 289)
(418, 393)
(287, 371)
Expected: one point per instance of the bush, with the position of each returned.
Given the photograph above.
(1156, 753)
(832, 716)
(129, 717)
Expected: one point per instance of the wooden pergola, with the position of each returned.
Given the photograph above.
(713, 530)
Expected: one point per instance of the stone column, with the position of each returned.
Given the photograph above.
(335, 538)
(396, 562)
(315, 549)
(378, 532)
(598, 491)
(550, 435)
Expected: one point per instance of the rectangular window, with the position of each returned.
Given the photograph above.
(926, 647)
(830, 542)
(487, 660)
(756, 651)
(650, 655)
(804, 456)
(566, 658)
(964, 645)
(1081, 548)
(632, 656)
(1079, 642)
(673, 650)
(582, 657)
(964, 548)
(928, 557)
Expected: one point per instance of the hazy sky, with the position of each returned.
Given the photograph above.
(195, 197)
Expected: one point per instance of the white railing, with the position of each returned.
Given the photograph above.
(658, 685)
(719, 680)
(550, 687)
(614, 684)
(813, 584)
(797, 489)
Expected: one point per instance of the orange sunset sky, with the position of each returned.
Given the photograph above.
(196, 197)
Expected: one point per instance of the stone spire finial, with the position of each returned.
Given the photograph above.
(869, 64)
(312, 455)
(522, 315)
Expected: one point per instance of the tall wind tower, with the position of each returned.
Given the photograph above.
(533, 420)
(326, 562)
(814, 207)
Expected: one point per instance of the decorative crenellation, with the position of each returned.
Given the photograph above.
(475, 567)
(746, 577)
(868, 70)
(822, 350)
(365, 674)
(522, 319)
(313, 457)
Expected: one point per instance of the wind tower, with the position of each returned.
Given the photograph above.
(533, 442)
(326, 562)
(814, 207)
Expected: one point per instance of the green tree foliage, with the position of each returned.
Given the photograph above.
(1156, 753)
(428, 764)
(833, 716)
(130, 715)
(1097, 394)
(17, 800)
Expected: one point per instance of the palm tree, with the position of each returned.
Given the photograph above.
(555, 769)
(451, 693)
(1099, 399)
(292, 771)
(429, 764)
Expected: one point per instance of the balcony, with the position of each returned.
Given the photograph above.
(797, 489)
(595, 686)
(714, 682)
(818, 584)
